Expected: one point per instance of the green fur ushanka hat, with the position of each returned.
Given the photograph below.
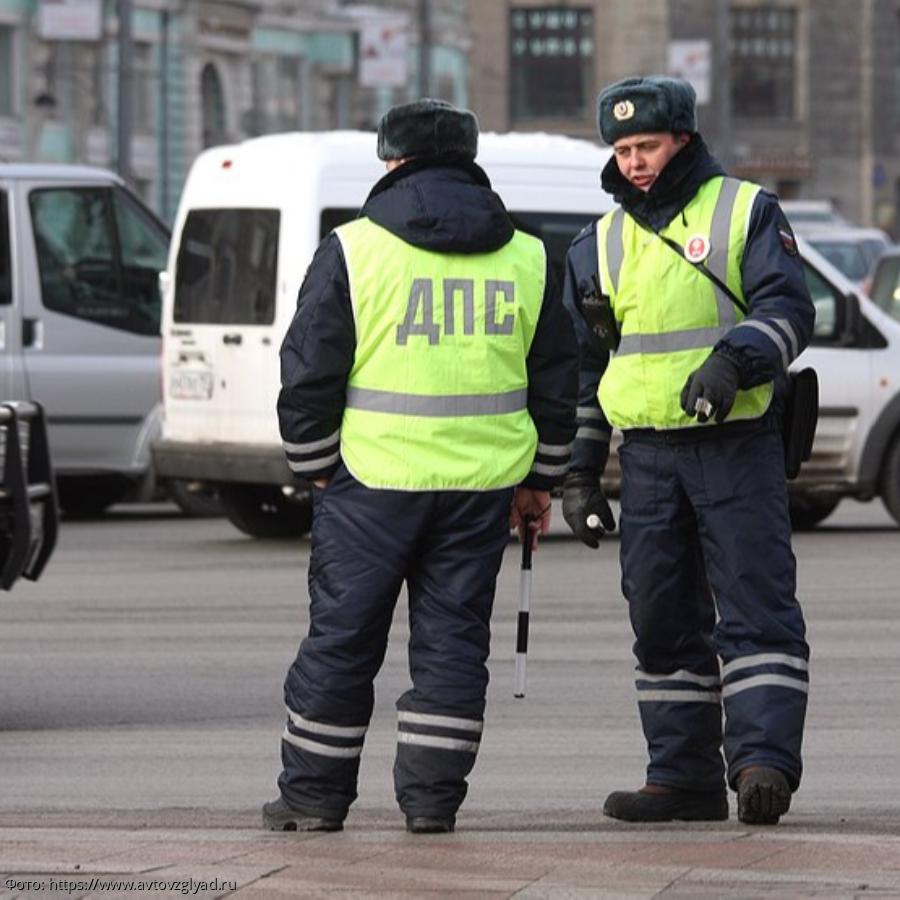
(641, 105)
(427, 128)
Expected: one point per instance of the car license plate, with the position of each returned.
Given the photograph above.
(191, 385)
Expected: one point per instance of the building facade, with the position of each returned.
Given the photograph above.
(206, 72)
(802, 96)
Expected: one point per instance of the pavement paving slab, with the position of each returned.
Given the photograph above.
(639, 862)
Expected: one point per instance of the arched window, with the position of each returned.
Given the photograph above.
(213, 104)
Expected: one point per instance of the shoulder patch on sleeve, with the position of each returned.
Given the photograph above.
(788, 241)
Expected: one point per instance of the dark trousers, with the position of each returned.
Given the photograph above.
(705, 527)
(447, 546)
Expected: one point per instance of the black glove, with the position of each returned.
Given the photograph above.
(583, 498)
(714, 385)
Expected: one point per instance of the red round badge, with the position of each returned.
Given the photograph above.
(697, 248)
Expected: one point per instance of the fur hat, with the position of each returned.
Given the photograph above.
(427, 128)
(639, 105)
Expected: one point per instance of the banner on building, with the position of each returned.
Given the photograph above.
(692, 61)
(384, 50)
(70, 20)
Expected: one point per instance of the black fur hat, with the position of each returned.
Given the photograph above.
(639, 105)
(427, 128)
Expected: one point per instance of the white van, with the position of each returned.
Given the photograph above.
(855, 350)
(250, 218)
(79, 323)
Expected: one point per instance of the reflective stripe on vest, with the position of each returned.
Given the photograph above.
(670, 315)
(437, 396)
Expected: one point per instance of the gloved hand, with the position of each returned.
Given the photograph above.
(715, 385)
(582, 499)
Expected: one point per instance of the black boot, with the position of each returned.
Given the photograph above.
(764, 795)
(278, 816)
(666, 805)
(430, 824)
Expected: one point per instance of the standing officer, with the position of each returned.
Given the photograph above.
(695, 281)
(429, 383)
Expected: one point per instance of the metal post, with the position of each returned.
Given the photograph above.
(424, 74)
(722, 84)
(123, 156)
(866, 211)
(164, 116)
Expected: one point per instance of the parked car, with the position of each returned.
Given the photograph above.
(811, 212)
(853, 251)
(79, 324)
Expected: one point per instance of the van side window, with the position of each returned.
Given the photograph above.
(557, 231)
(334, 218)
(226, 271)
(80, 263)
(5, 256)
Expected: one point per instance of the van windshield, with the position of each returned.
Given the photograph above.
(555, 229)
(226, 270)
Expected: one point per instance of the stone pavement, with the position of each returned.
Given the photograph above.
(560, 857)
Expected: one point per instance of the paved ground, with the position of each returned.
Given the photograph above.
(140, 712)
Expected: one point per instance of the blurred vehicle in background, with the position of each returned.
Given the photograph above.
(852, 251)
(884, 288)
(250, 218)
(79, 324)
(801, 213)
(855, 351)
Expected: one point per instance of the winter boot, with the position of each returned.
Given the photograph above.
(430, 824)
(654, 803)
(763, 795)
(278, 816)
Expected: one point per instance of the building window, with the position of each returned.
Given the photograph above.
(6, 71)
(551, 61)
(288, 93)
(763, 47)
(213, 105)
(143, 88)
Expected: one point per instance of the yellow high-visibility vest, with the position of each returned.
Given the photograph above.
(437, 396)
(670, 315)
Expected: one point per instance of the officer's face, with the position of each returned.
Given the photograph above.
(641, 157)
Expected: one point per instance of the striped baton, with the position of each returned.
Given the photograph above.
(524, 608)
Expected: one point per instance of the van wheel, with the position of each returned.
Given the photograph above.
(90, 495)
(263, 511)
(890, 480)
(808, 510)
(196, 500)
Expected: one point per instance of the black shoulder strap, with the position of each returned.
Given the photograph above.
(700, 268)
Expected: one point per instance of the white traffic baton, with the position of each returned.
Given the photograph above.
(524, 610)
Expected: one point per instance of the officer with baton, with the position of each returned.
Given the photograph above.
(429, 380)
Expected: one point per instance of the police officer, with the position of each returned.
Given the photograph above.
(429, 384)
(695, 284)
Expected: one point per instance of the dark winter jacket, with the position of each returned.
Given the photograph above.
(444, 207)
(771, 275)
